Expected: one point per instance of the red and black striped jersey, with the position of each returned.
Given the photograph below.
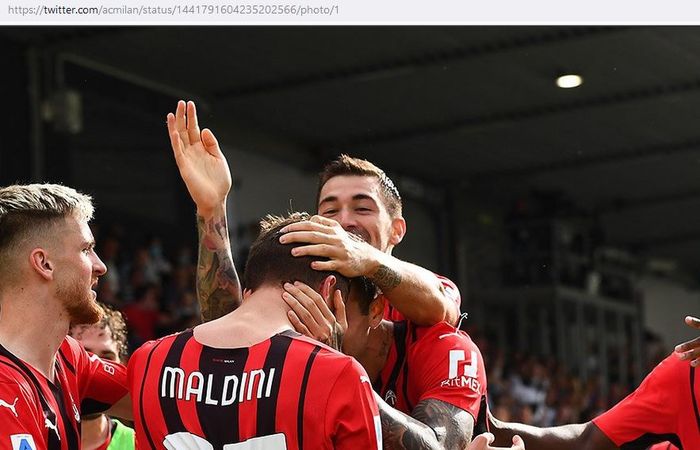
(38, 414)
(287, 392)
(663, 408)
(451, 290)
(438, 362)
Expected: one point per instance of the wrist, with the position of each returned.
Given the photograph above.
(208, 212)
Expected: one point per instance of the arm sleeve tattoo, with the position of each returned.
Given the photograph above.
(434, 425)
(218, 287)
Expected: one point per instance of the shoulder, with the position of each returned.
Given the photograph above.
(168, 340)
(441, 334)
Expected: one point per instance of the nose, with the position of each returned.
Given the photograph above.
(346, 219)
(99, 267)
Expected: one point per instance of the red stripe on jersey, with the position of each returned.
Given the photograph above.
(148, 370)
(190, 362)
(248, 410)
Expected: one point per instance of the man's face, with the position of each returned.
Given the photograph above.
(77, 269)
(357, 204)
(98, 340)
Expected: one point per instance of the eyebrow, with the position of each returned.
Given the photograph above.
(355, 197)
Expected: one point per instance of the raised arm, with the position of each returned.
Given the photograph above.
(417, 293)
(206, 174)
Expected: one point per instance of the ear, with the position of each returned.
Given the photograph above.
(398, 230)
(39, 261)
(376, 311)
(327, 288)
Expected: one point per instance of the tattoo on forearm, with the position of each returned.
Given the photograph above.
(218, 286)
(434, 425)
(386, 278)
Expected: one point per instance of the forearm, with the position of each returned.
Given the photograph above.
(416, 292)
(402, 432)
(218, 286)
(565, 437)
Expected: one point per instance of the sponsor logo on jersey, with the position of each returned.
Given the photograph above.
(467, 377)
(22, 442)
(11, 407)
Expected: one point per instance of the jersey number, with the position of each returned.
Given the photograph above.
(469, 370)
(188, 441)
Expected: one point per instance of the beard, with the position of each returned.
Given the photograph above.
(79, 302)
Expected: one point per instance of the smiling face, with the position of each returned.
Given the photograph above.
(357, 204)
(77, 270)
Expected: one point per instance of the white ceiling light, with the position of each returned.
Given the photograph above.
(569, 81)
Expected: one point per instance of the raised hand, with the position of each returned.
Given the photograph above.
(690, 350)
(202, 165)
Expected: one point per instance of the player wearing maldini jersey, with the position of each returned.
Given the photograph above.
(663, 408)
(247, 380)
(47, 269)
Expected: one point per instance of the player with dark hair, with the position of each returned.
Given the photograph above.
(48, 268)
(106, 339)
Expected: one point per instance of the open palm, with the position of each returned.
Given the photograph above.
(202, 165)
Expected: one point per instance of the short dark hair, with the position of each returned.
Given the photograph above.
(271, 262)
(364, 291)
(347, 165)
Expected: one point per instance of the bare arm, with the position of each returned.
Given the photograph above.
(206, 174)
(578, 436)
(416, 292)
(218, 286)
(434, 424)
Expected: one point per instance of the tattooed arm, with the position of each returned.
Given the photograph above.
(206, 174)
(218, 286)
(416, 292)
(434, 425)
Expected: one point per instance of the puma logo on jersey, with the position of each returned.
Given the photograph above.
(52, 426)
(10, 407)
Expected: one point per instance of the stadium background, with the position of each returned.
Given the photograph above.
(567, 217)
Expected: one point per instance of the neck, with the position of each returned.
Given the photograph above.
(94, 432)
(374, 355)
(32, 327)
(262, 315)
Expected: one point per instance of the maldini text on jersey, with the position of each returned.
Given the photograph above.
(216, 389)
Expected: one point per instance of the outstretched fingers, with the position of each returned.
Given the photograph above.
(192, 123)
(181, 122)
